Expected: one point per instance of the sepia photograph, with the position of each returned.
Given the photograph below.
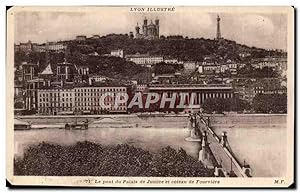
(150, 96)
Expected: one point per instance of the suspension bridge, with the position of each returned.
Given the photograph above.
(215, 151)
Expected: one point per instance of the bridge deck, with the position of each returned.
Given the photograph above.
(222, 155)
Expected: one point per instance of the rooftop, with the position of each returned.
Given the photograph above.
(138, 55)
(52, 87)
(189, 86)
(47, 70)
(100, 84)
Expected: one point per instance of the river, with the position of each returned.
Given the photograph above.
(259, 140)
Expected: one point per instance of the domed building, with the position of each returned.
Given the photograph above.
(149, 32)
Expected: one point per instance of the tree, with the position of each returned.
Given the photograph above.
(251, 72)
(237, 104)
(175, 46)
(221, 105)
(267, 103)
(91, 159)
(218, 105)
(163, 68)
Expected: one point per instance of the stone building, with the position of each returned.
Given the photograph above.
(149, 31)
(185, 91)
(117, 53)
(88, 99)
(144, 59)
(54, 101)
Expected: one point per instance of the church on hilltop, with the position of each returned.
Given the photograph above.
(149, 31)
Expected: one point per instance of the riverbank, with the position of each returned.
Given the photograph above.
(266, 132)
(142, 115)
(162, 120)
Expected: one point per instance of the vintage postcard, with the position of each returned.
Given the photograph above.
(150, 96)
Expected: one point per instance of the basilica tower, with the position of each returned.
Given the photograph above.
(145, 28)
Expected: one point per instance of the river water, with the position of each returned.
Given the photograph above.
(259, 140)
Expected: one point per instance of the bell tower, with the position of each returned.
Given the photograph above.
(145, 27)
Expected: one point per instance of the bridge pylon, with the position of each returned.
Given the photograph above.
(205, 155)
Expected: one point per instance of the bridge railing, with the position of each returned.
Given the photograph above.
(241, 169)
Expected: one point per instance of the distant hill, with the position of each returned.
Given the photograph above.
(186, 49)
(174, 46)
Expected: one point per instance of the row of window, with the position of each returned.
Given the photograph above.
(55, 99)
(47, 109)
(99, 89)
(259, 91)
(99, 108)
(207, 95)
(82, 91)
(110, 99)
(259, 87)
(94, 94)
(149, 59)
(98, 104)
(54, 105)
(76, 104)
(97, 79)
(55, 94)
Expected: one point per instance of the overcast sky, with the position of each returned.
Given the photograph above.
(264, 30)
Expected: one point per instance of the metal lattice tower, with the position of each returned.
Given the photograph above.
(218, 28)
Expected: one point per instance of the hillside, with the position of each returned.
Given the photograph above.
(174, 46)
(185, 49)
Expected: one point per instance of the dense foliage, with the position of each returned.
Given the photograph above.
(90, 159)
(262, 103)
(251, 72)
(174, 46)
(114, 67)
(265, 103)
(92, 51)
(221, 105)
(163, 68)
